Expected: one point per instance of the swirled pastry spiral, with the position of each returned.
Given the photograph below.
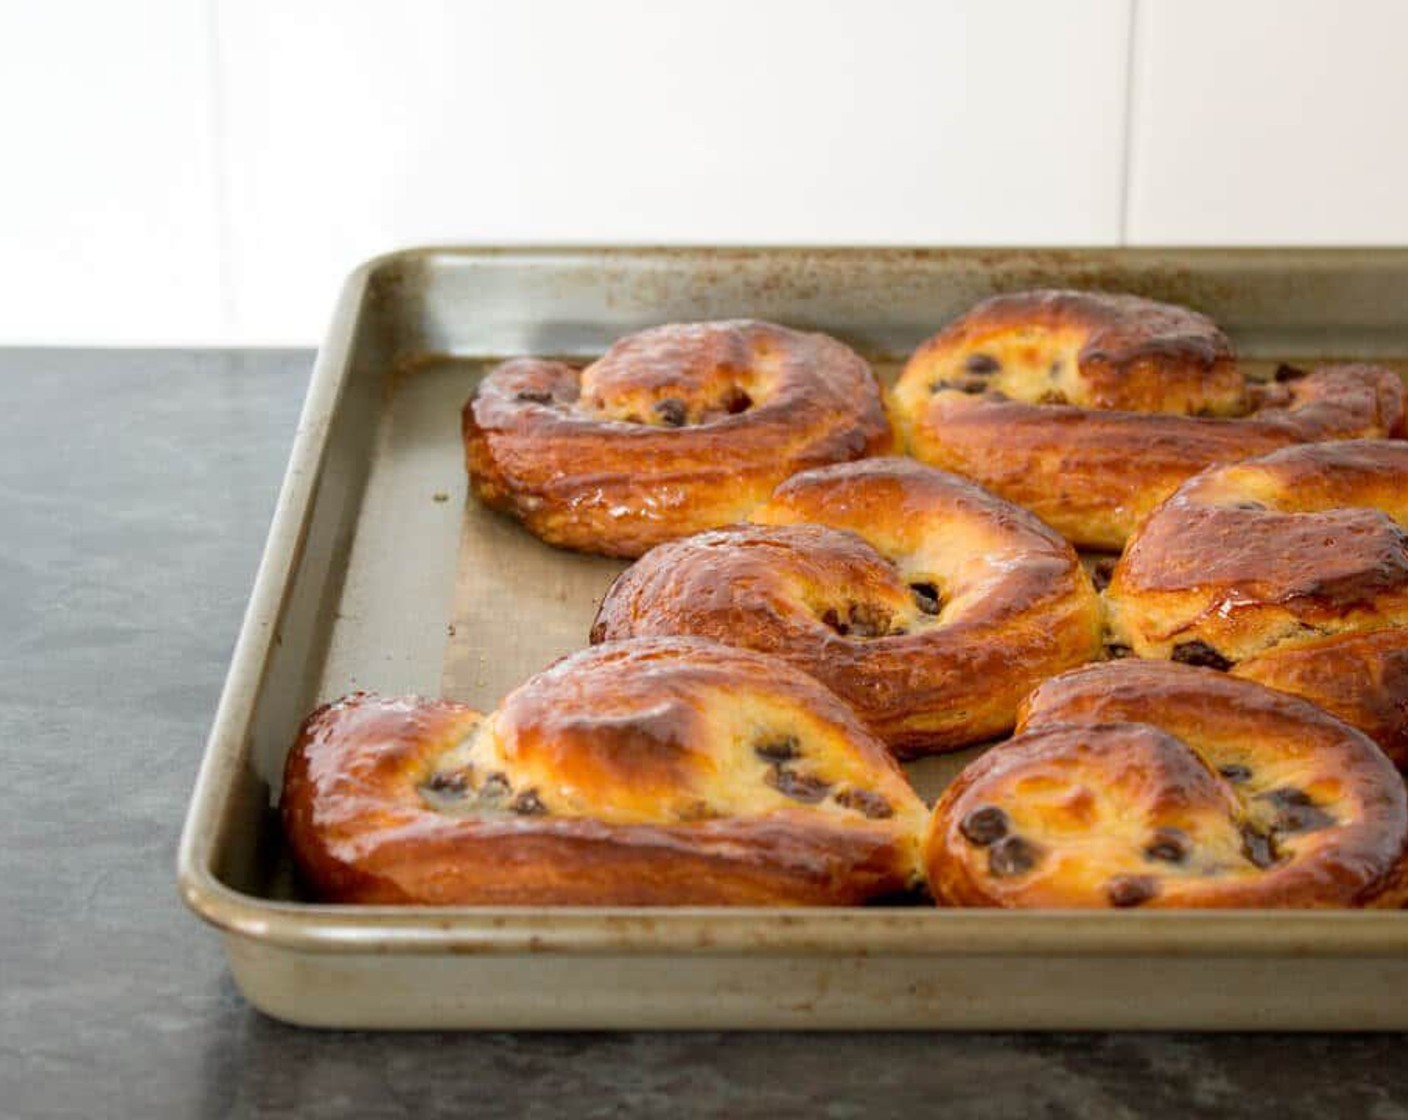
(1139, 783)
(929, 605)
(1280, 549)
(1090, 409)
(674, 430)
(667, 771)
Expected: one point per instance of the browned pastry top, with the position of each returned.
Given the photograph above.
(1286, 547)
(675, 429)
(1362, 678)
(928, 604)
(1102, 350)
(659, 771)
(1090, 408)
(1137, 783)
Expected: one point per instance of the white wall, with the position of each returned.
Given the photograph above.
(208, 170)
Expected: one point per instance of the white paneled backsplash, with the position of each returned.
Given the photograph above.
(208, 170)
(109, 208)
(1269, 122)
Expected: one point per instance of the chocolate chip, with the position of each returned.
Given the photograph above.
(1250, 507)
(926, 597)
(1235, 772)
(1131, 890)
(534, 396)
(1118, 652)
(1259, 848)
(528, 804)
(1052, 396)
(672, 411)
(495, 787)
(737, 401)
(863, 620)
(778, 750)
(1296, 812)
(799, 787)
(1286, 373)
(1311, 818)
(453, 782)
(1169, 845)
(1198, 652)
(982, 364)
(1012, 856)
(984, 826)
(865, 802)
(1102, 571)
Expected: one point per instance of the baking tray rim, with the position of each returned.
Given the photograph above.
(915, 931)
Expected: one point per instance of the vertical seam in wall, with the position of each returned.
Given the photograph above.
(1127, 163)
(219, 148)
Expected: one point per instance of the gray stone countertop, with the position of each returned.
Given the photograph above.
(135, 491)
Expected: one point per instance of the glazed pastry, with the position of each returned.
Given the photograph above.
(1362, 678)
(1090, 409)
(1140, 783)
(672, 771)
(674, 430)
(929, 605)
(1275, 550)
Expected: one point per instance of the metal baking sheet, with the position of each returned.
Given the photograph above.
(357, 589)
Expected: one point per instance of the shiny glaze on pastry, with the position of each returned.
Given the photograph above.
(929, 605)
(660, 771)
(1281, 549)
(675, 429)
(1151, 784)
(1091, 408)
(1362, 678)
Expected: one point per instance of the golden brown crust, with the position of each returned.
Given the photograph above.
(1301, 543)
(1361, 678)
(1089, 409)
(655, 772)
(1160, 785)
(929, 605)
(674, 430)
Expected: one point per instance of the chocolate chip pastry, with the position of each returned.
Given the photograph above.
(926, 603)
(1277, 550)
(674, 430)
(1090, 409)
(1162, 785)
(652, 772)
